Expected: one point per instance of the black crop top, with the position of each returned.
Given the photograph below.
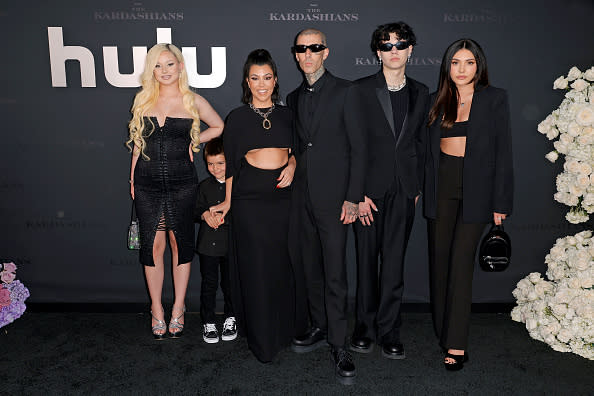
(457, 130)
(244, 132)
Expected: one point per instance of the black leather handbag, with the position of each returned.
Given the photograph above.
(495, 250)
(133, 237)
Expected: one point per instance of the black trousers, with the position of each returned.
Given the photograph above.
(379, 289)
(209, 270)
(452, 250)
(322, 238)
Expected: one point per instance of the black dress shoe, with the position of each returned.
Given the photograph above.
(393, 350)
(309, 341)
(361, 344)
(344, 367)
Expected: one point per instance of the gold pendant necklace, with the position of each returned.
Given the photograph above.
(266, 124)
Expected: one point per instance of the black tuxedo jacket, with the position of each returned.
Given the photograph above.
(331, 155)
(389, 158)
(488, 178)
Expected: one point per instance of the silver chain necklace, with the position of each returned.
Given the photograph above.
(266, 122)
(396, 88)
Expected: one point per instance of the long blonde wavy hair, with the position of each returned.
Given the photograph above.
(147, 97)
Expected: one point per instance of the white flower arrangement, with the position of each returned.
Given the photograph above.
(573, 124)
(560, 310)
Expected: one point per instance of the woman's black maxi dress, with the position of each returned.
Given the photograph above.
(166, 187)
(261, 274)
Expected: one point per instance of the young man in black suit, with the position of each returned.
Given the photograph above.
(331, 155)
(394, 107)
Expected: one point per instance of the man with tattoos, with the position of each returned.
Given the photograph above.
(331, 156)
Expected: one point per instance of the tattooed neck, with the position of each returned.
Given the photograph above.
(315, 76)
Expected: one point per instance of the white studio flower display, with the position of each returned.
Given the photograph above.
(572, 124)
(559, 310)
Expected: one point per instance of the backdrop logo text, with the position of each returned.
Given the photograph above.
(60, 53)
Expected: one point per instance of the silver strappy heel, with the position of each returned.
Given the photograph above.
(158, 327)
(175, 325)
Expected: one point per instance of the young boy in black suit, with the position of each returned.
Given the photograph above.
(211, 246)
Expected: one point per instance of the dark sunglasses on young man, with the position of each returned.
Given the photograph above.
(387, 47)
(301, 48)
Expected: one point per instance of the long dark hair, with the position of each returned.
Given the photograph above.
(447, 93)
(259, 57)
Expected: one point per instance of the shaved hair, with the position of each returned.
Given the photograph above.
(309, 31)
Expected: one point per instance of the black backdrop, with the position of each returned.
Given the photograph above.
(64, 169)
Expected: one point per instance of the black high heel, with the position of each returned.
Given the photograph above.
(459, 361)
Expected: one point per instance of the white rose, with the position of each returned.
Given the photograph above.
(552, 133)
(571, 240)
(581, 260)
(544, 127)
(586, 136)
(552, 156)
(573, 129)
(561, 147)
(564, 335)
(566, 138)
(588, 199)
(532, 296)
(560, 83)
(516, 314)
(589, 74)
(584, 168)
(586, 282)
(534, 277)
(576, 217)
(574, 283)
(583, 181)
(577, 96)
(575, 192)
(550, 339)
(579, 85)
(531, 324)
(574, 73)
(585, 116)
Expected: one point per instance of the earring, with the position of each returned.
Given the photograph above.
(408, 60)
(380, 61)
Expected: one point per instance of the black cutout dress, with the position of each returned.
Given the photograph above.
(260, 270)
(166, 187)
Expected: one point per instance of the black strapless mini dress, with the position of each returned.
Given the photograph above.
(166, 187)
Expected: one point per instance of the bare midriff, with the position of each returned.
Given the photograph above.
(455, 146)
(268, 157)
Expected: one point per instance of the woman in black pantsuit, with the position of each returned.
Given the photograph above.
(258, 140)
(468, 184)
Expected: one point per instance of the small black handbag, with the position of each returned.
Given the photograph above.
(133, 237)
(495, 250)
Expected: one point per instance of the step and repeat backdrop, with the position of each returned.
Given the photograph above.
(70, 71)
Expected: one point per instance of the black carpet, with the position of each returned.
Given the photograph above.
(114, 353)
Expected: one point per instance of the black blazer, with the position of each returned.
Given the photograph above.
(488, 177)
(387, 158)
(211, 242)
(331, 156)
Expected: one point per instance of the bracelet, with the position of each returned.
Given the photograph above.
(130, 181)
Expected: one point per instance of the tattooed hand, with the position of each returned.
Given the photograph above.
(349, 212)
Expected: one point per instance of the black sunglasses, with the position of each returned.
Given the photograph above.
(301, 48)
(400, 45)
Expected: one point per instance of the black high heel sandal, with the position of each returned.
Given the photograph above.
(459, 361)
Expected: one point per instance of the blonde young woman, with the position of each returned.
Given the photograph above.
(164, 133)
